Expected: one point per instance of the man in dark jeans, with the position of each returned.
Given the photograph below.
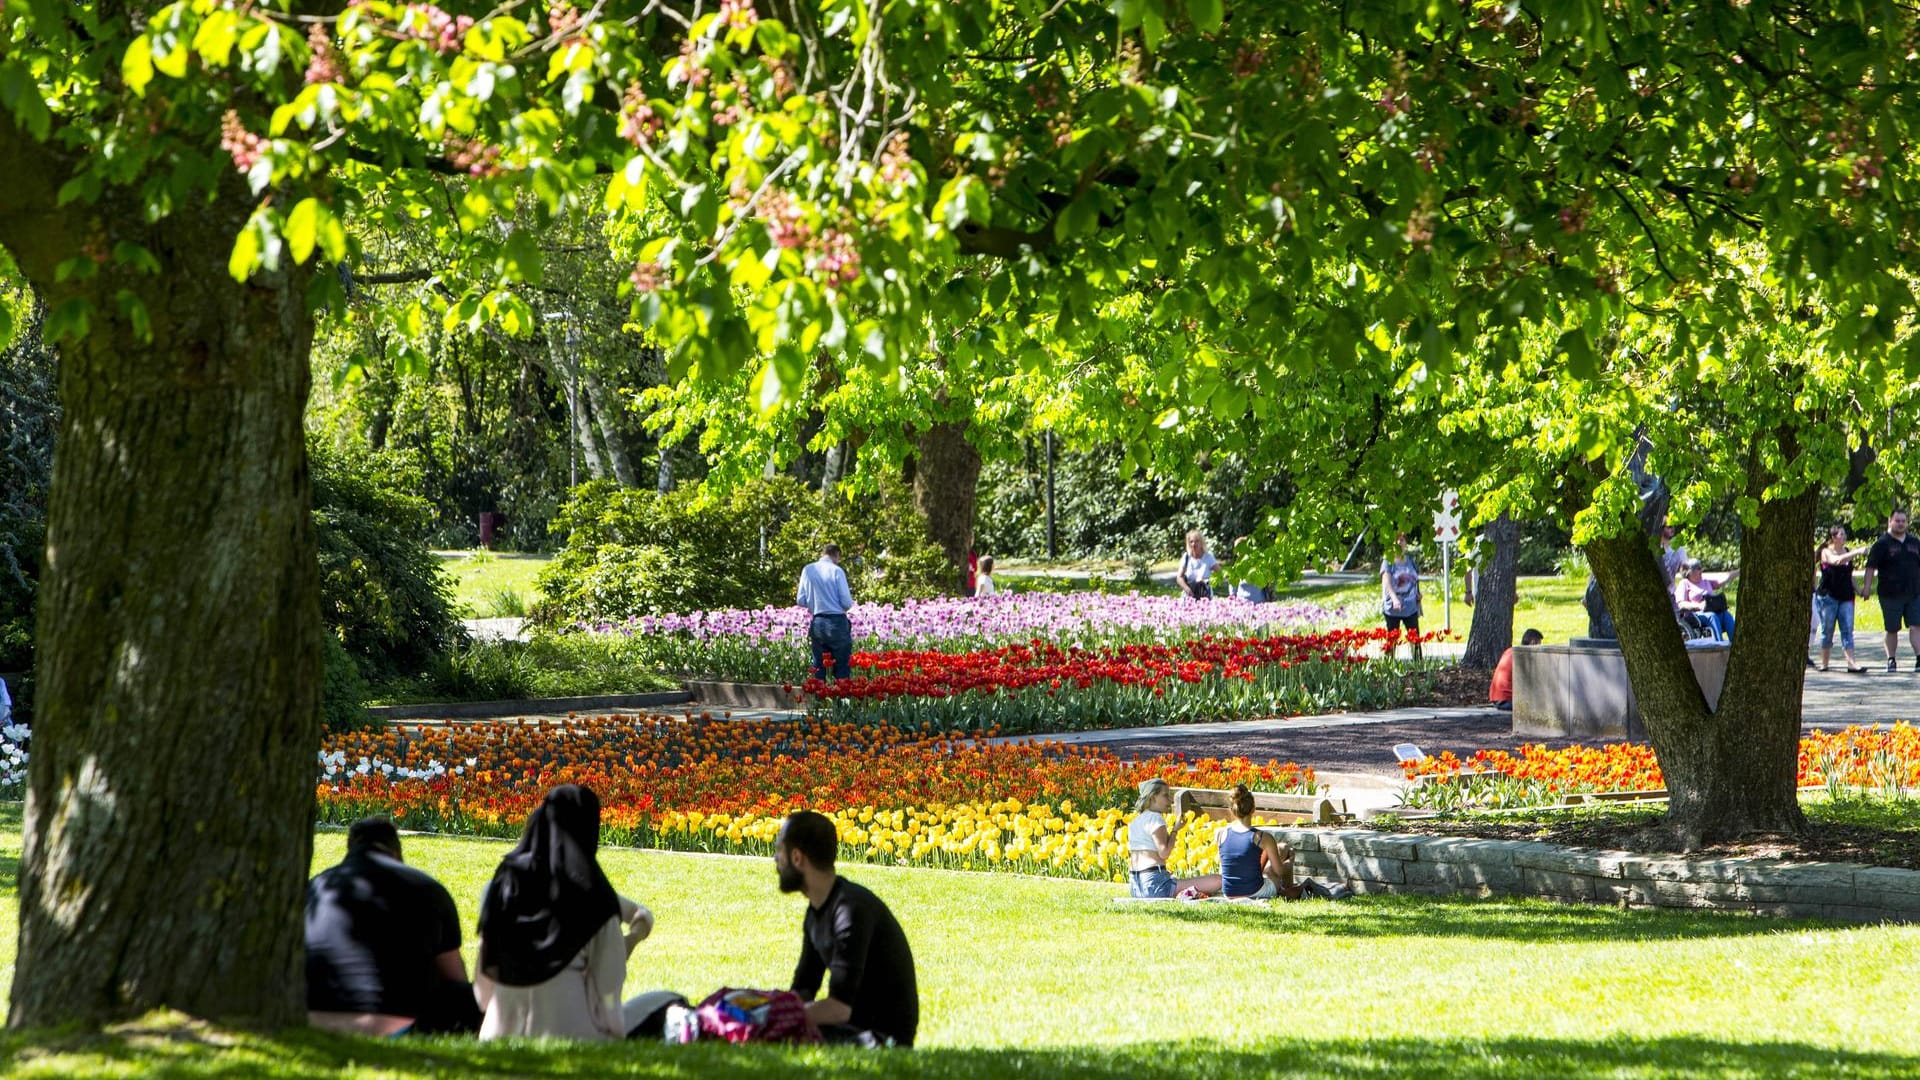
(383, 944)
(874, 999)
(1895, 558)
(823, 590)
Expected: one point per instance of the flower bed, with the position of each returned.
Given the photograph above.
(1037, 686)
(770, 644)
(722, 786)
(1884, 759)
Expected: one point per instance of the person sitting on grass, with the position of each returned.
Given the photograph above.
(874, 999)
(383, 944)
(554, 936)
(1253, 865)
(1150, 845)
(1501, 691)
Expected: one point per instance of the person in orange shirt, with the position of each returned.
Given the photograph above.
(1501, 692)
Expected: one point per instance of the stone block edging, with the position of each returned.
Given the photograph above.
(1382, 862)
(477, 710)
(744, 695)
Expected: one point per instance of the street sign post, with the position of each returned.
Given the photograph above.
(1446, 531)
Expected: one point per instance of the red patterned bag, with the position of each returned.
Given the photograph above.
(741, 1016)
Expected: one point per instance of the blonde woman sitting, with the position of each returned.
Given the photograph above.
(1150, 845)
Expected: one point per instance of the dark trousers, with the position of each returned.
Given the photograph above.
(451, 1010)
(831, 635)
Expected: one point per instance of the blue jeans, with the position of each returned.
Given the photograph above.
(1154, 884)
(1835, 612)
(1720, 622)
(831, 635)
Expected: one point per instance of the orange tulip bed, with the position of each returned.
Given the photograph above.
(1858, 758)
(722, 786)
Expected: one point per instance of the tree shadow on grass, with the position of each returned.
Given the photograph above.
(206, 1053)
(1470, 917)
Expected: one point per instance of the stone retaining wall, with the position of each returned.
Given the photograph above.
(1378, 862)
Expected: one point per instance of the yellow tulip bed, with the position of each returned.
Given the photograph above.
(1009, 836)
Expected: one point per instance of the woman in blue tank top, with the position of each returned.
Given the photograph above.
(1252, 863)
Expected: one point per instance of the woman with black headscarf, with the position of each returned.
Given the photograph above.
(554, 936)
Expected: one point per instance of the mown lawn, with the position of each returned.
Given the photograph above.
(1550, 605)
(483, 579)
(1032, 977)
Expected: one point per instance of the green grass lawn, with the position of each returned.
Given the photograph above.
(1550, 605)
(1033, 977)
(482, 577)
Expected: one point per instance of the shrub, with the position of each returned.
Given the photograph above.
(550, 665)
(634, 552)
(343, 696)
(382, 592)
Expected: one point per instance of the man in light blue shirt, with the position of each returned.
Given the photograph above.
(824, 591)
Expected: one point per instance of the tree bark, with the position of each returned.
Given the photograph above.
(945, 478)
(1495, 594)
(603, 412)
(170, 807)
(1730, 771)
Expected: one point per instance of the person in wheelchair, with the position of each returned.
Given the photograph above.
(1704, 596)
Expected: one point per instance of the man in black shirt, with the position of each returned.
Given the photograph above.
(383, 944)
(1895, 557)
(874, 998)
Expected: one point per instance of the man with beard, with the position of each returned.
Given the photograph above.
(874, 999)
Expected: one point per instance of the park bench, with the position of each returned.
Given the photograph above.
(1283, 809)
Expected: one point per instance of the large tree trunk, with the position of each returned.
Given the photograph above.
(1732, 770)
(946, 474)
(170, 807)
(1494, 597)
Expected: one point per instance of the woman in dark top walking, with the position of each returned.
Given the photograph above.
(1833, 597)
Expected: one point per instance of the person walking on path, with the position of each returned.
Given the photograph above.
(1197, 567)
(824, 592)
(983, 584)
(1895, 559)
(1833, 597)
(1400, 592)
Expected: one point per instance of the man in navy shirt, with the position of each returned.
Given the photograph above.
(1895, 558)
(823, 591)
(383, 944)
(874, 998)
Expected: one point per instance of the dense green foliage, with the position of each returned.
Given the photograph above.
(546, 666)
(29, 414)
(631, 552)
(385, 596)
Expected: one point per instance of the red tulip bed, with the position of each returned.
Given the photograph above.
(1038, 686)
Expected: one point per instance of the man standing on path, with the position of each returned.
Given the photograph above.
(1895, 557)
(824, 591)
